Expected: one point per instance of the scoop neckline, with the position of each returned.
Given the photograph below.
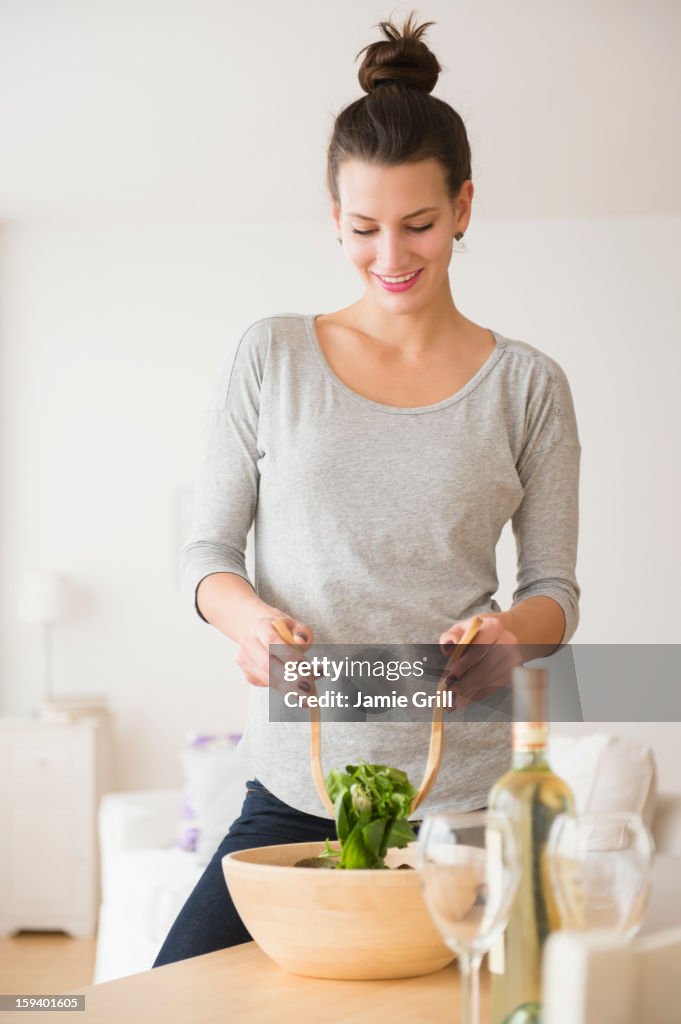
(402, 410)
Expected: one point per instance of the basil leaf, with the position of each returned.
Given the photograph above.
(373, 836)
(400, 834)
(355, 854)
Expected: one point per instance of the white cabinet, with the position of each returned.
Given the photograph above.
(52, 775)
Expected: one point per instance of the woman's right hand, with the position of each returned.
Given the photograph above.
(253, 655)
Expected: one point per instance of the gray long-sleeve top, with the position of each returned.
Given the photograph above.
(377, 524)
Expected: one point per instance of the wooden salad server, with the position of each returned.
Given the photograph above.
(436, 731)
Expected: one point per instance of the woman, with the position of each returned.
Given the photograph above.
(379, 450)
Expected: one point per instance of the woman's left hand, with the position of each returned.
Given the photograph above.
(488, 663)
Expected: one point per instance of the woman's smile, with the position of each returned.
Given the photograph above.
(400, 283)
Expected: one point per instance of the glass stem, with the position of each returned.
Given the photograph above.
(469, 965)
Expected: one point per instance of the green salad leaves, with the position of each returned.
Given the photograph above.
(372, 804)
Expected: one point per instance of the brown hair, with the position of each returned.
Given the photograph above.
(398, 121)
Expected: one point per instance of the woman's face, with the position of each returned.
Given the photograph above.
(400, 222)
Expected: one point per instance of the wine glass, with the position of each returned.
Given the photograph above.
(469, 869)
(600, 867)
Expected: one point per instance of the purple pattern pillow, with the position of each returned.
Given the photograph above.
(187, 829)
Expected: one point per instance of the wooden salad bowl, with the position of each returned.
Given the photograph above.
(367, 924)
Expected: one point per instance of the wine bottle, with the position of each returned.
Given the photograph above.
(531, 796)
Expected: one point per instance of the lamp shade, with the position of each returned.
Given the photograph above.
(42, 596)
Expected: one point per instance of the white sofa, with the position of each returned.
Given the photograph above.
(146, 878)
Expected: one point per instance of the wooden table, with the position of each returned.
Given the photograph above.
(243, 985)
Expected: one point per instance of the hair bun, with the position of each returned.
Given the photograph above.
(401, 59)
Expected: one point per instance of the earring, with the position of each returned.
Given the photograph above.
(459, 246)
(339, 240)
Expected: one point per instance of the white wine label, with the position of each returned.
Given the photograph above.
(529, 736)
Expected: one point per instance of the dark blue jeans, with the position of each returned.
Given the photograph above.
(209, 921)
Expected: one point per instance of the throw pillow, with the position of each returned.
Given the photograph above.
(607, 773)
(216, 774)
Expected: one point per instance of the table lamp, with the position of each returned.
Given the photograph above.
(42, 601)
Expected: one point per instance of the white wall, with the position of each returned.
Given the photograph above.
(191, 109)
(139, 241)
